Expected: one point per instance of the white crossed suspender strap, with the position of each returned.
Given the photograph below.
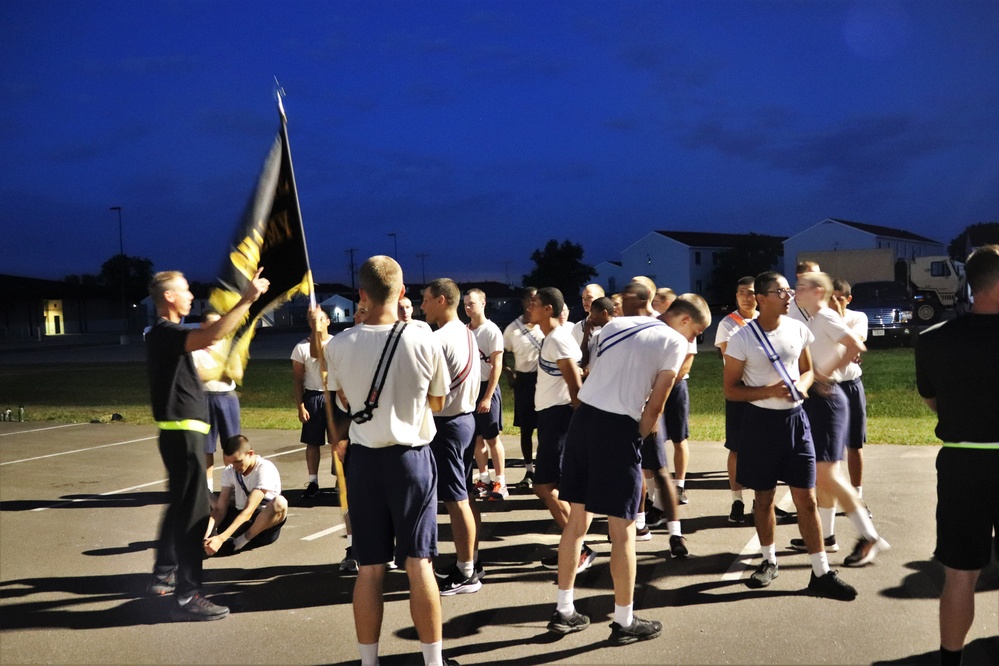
(527, 334)
(774, 358)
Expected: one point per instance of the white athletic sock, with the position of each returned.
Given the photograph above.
(564, 603)
(211, 485)
(862, 523)
(674, 528)
(369, 654)
(770, 553)
(313, 478)
(350, 540)
(737, 495)
(827, 518)
(860, 491)
(501, 479)
(239, 542)
(680, 482)
(433, 654)
(484, 477)
(820, 563)
(466, 568)
(530, 467)
(624, 615)
(640, 520)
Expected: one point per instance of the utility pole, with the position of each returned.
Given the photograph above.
(121, 265)
(353, 289)
(423, 265)
(395, 245)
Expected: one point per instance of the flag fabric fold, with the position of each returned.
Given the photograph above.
(269, 236)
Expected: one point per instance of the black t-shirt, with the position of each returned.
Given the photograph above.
(957, 362)
(174, 385)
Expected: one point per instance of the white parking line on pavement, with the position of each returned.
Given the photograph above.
(66, 453)
(752, 548)
(24, 432)
(322, 533)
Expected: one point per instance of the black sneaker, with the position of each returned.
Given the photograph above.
(586, 557)
(198, 609)
(311, 490)
(681, 496)
(829, 541)
(560, 624)
(865, 551)
(479, 573)
(783, 516)
(678, 546)
(456, 583)
(163, 585)
(639, 630)
(738, 512)
(551, 561)
(527, 483)
(643, 534)
(654, 517)
(348, 565)
(831, 586)
(764, 575)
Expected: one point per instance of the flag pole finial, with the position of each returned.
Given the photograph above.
(278, 94)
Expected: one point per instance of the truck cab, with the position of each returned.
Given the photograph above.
(937, 285)
(889, 307)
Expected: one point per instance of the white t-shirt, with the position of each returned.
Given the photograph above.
(417, 370)
(524, 341)
(828, 328)
(551, 389)
(490, 340)
(796, 312)
(728, 325)
(313, 380)
(212, 358)
(461, 355)
(264, 476)
(789, 340)
(631, 352)
(857, 322)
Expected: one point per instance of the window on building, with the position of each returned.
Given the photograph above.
(697, 287)
(697, 258)
(714, 258)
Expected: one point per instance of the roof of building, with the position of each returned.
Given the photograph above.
(29, 288)
(886, 232)
(710, 239)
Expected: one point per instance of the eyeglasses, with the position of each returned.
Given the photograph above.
(781, 292)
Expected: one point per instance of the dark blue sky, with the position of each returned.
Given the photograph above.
(476, 131)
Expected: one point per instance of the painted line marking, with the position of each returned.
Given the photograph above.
(322, 533)
(66, 453)
(24, 432)
(741, 564)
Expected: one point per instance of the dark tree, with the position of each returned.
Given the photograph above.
(983, 233)
(753, 254)
(560, 266)
(138, 271)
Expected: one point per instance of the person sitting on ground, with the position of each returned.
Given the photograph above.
(259, 510)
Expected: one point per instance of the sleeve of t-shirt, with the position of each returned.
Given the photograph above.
(692, 346)
(566, 347)
(577, 332)
(737, 345)
(837, 326)
(297, 353)
(332, 377)
(508, 338)
(724, 332)
(675, 353)
(858, 324)
(228, 478)
(494, 342)
(269, 479)
(440, 378)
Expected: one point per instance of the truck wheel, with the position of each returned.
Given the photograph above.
(927, 312)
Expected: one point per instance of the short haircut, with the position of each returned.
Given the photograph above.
(982, 268)
(553, 297)
(476, 292)
(596, 289)
(692, 305)
(161, 283)
(649, 284)
(665, 292)
(806, 266)
(381, 278)
(765, 281)
(842, 286)
(747, 281)
(603, 304)
(235, 444)
(639, 289)
(819, 280)
(527, 293)
(447, 288)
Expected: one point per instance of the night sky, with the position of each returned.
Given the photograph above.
(475, 131)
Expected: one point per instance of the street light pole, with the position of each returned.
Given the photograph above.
(395, 245)
(121, 264)
(423, 265)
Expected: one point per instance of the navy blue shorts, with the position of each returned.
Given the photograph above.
(857, 399)
(553, 423)
(654, 449)
(676, 412)
(967, 507)
(524, 414)
(829, 418)
(265, 538)
(393, 503)
(733, 423)
(489, 425)
(602, 467)
(223, 415)
(775, 445)
(455, 455)
(314, 430)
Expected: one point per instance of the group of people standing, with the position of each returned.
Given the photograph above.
(421, 409)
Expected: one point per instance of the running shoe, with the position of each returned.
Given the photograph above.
(457, 583)
(348, 565)
(560, 624)
(482, 488)
(498, 492)
(638, 630)
(644, 534)
(831, 586)
(198, 609)
(829, 541)
(311, 490)
(764, 575)
(738, 513)
(653, 516)
(865, 551)
(527, 483)
(678, 546)
(586, 557)
(163, 585)
(681, 495)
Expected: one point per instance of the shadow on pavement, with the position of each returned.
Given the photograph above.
(88, 501)
(981, 651)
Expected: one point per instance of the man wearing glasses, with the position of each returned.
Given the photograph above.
(768, 365)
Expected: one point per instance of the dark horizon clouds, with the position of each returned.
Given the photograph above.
(476, 131)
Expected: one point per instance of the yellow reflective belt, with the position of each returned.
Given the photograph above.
(186, 424)
(972, 445)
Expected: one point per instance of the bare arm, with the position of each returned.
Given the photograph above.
(213, 544)
(199, 338)
(684, 370)
(854, 347)
(661, 387)
(495, 371)
(298, 389)
(570, 373)
(436, 402)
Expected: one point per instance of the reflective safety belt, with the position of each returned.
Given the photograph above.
(381, 373)
(187, 424)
